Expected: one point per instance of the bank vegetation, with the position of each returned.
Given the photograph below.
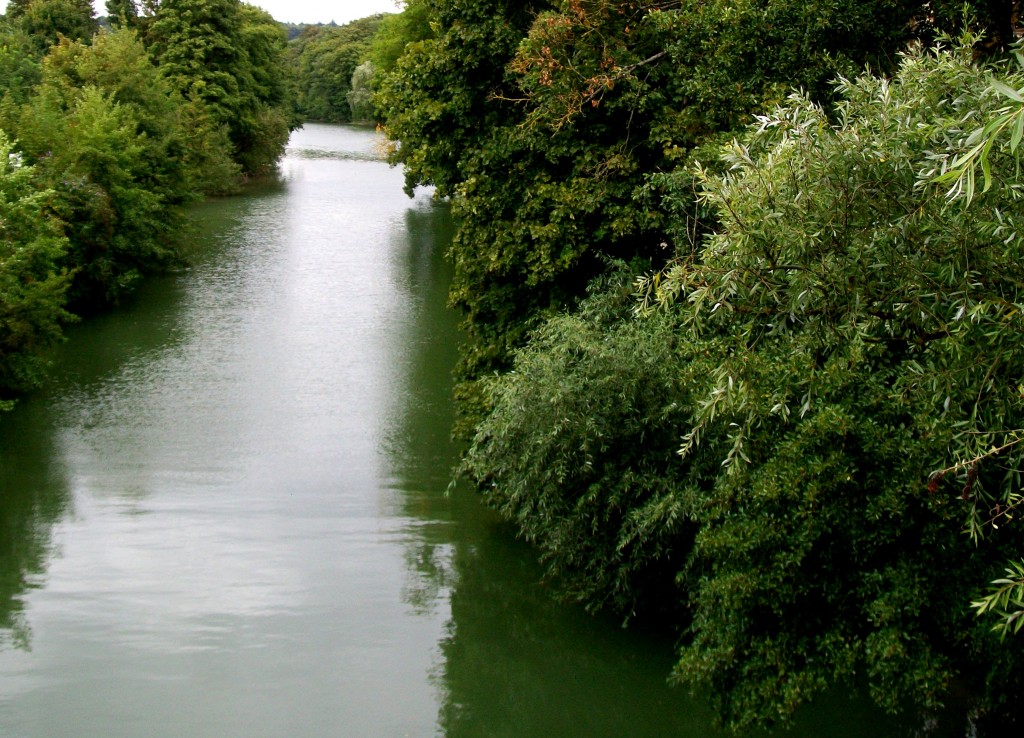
(106, 136)
(741, 288)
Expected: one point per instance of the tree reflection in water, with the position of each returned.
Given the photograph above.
(513, 661)
(33, 497)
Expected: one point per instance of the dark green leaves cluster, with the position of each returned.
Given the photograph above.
(107, 136)
(46, 21)
(229, 56)
(32, 284)
(337, 69)
(396, 32)
(823, 382)
(891, 322)
(801, 413)
(544, 122)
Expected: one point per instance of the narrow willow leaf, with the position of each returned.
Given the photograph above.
(1006, 91)
(1018, 130)
(986, 162)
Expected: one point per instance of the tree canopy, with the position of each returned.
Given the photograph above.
(799, 439)
(584, 101)
(231, 57)
(791, 434)
(45, 21)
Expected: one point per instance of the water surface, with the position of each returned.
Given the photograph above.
(226, 516)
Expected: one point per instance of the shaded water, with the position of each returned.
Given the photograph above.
(227, 514)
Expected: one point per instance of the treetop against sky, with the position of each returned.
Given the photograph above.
(303, 11)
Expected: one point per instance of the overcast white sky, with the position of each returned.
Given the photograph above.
(302, 11)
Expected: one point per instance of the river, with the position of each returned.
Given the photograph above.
(227, 513)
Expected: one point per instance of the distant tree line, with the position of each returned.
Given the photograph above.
(106, 135)
(337, 68)
(294, 30)
(741, 289)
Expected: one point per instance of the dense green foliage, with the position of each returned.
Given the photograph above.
(45, 21)
(449, 101)
(779, 445)
(544, 121)
(19, 63)
(838, 364)
(108, 137)
(324, 60)
(32, 284)
(581, 451)
(872, 343)
(231, 57)
(122, 12)
(360, 96)
(396, 32)
(337, 69)
(104, 141)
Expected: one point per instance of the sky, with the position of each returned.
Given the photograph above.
(302, 11)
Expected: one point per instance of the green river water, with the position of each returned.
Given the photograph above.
(227, 514)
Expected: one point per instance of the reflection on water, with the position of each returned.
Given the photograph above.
(321, 142)
(233, 566)
(513, 661)
(33, 498)
(419, 451)
(335, 155)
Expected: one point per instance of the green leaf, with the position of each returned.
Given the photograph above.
(1006, 91)
(1018, 130)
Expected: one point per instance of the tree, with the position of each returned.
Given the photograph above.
(858, 402)
(32, 283)
(268, 115)
(110, 138)
(395, 32)
(449, 104)
(19, 62)
(91, 199)
(545, 122)
(47, 20)
(324, 60)
(229, 57)
(123, 12)
(580, 452)
(1006, 599)
(360, 97)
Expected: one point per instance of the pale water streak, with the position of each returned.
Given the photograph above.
(230, 566)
